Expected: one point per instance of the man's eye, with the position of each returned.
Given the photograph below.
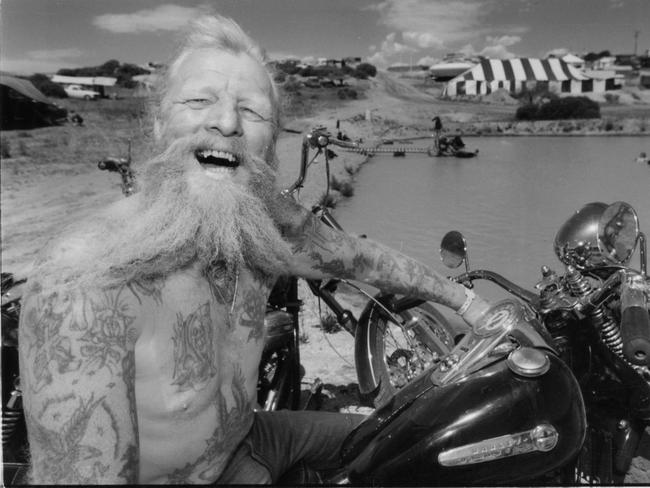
(251, 113)
(197, 102)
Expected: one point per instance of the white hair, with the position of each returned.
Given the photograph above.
(215, 31)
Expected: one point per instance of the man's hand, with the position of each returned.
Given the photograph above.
(475, 309)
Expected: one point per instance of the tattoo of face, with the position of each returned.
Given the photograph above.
(195, 360)
(208, 466)
(252, 316)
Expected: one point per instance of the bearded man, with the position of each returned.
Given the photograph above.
(143, 330)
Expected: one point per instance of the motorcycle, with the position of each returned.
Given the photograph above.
(390, 349)
(551, 386)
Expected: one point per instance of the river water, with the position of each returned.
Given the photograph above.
(509, 201)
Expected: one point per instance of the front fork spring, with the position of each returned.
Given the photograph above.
(10, 421)
(609, 331)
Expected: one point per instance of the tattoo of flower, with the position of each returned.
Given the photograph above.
(107, 329)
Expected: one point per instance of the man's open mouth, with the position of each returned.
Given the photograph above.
(214, 160)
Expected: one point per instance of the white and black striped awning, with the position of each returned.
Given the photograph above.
(522, 69)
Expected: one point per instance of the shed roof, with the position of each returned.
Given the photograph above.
(85, 80)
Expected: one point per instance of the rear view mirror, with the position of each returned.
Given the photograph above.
(453, 249)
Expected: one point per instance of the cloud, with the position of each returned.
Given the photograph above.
(54, 54)
(446, 21)
(42, 61)
(436, 27)
(422, 40)
(426, 61)
(557, 52)
(497, 52)
(503, 40)
(28, 66)
(166, 17)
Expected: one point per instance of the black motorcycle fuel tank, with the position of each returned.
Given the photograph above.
(486, 428)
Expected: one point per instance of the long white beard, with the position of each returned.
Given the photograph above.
(180, 217)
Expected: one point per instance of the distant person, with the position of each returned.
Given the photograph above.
(76, 119)
(643, 158)
(437, 128)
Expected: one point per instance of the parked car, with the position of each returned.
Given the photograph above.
(76, 91)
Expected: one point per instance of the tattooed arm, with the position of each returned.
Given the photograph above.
(321, 251)
(77, 373)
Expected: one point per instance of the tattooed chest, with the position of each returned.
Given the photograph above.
(191, 350)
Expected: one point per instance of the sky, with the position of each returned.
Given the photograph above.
(43, 36)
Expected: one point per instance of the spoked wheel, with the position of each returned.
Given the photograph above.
(402, 352)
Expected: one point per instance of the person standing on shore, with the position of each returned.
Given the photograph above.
(143, 327)
(437, 129)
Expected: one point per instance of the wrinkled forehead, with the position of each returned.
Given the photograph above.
(238, 72)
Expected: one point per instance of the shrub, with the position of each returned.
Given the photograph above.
(365, 70)
(569, 108)
(527, 112)
(291, 85)
(329, 324)
(303, 338)
(47, 87)
(560, 108)
(351, 169)
(347, 92)
(345, 188)
(327, 200)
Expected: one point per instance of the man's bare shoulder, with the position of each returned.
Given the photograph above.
(78, 372)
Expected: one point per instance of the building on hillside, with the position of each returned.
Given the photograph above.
(96, 83)
(519, 74)
(573, 60)
(351, 61)
(25, 107)
(644, 78)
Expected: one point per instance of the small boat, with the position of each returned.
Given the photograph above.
(465, 154)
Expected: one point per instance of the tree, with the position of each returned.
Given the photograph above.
(47, 87)
(365, 70)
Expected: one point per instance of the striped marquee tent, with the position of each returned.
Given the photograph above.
(518, 74)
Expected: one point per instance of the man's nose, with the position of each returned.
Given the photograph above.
(224, 118)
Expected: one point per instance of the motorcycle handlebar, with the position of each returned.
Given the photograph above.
(318, 138)
(635, 321)
(516, 290)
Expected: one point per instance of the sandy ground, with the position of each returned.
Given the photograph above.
(40, 196)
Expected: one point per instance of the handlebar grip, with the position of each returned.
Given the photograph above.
(635, 326)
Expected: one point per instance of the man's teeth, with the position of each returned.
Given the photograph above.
(217, 158)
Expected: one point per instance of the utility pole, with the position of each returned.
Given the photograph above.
(636, 37)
